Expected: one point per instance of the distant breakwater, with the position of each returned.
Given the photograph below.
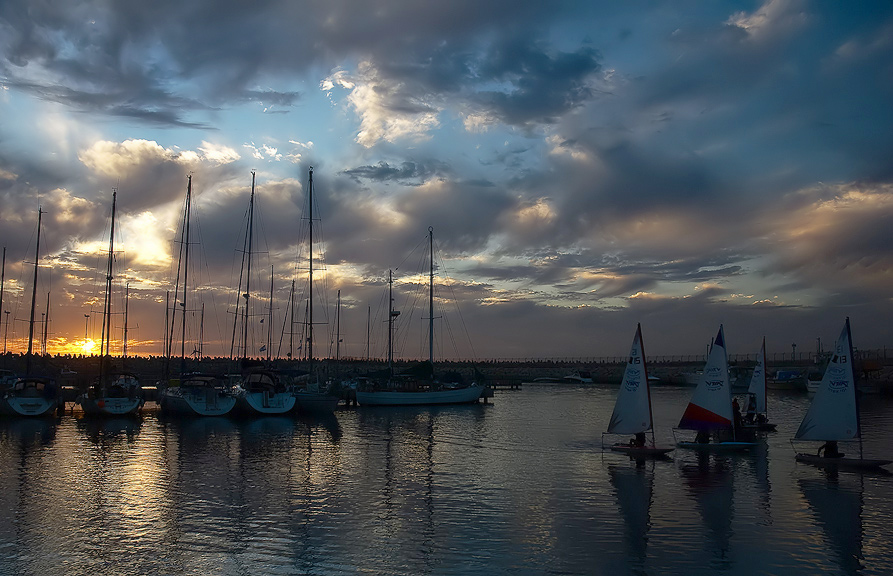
(80, 371)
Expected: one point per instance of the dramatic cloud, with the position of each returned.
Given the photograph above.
(583, 165)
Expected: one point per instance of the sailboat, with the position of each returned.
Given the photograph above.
(417, 391)
(757, 416)
(32, 395)
(833, 415)
(314, 398)
(632, 409)
(710, 408)
(111, 394)
(259, 392)
(197, 394)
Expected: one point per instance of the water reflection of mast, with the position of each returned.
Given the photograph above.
(838, 510)
(634, 488)
(710, 485)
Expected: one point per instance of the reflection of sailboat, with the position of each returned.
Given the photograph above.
(259, 392)
(710, 408)
(112, 394)
(838, 510)
(711, 486)
(422, 390)
(632, 409)
(833, 415)
(634, 488)
(313, 398)
(197, 394)
(31, 395)
(757, 415)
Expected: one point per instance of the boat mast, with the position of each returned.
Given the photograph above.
(247, 294)
(647, 384)
(126, 306)
(310, 284)
(2, 284)
(184, 248)
(338, 330)
(105, 345)
(431, 299)
(270, 321)
(391, 315)
(33, 295)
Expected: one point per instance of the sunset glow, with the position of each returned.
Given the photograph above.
(583, 168)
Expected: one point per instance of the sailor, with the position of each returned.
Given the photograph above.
(830, 450)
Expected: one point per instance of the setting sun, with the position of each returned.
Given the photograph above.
(88, 346)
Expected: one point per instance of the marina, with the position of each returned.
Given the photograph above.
(520, 486)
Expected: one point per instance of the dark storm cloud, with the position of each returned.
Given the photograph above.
(543, 86)
(408, 172)
(123, 59)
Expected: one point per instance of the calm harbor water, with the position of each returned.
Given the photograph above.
(521, 486)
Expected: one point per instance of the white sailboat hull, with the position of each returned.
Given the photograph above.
(200, 402)
(28, 406)
(467, 395)
(265, 403)
(109, 406)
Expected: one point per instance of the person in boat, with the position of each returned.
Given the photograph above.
(830, 450)
(638, 441)
(751, 415)
(736, 412)
(703, 437)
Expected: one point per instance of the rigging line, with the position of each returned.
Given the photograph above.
(455, 300)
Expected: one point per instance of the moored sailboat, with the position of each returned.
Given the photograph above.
(709, 412)
(194, 394)
(259, 392)
(632, 409)
(414, 391)
(32, 395)
(111, 394)
(314, 397)
(833, 415)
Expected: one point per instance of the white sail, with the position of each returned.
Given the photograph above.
(833, 414)
(632, 410)
(710, 407)
(758, 381)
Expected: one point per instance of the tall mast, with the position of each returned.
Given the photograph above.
(270, 321)
(33, 295)
(391, 321)
(368, 332)
(291, 322)
(126, 306)
(310, 287)
(185, 272)
(105, 345)
(247, 294)
(647, 385)
(431, 298)
(338, 329)
(3, 283)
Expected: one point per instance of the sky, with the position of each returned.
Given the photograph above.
(584, 166)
